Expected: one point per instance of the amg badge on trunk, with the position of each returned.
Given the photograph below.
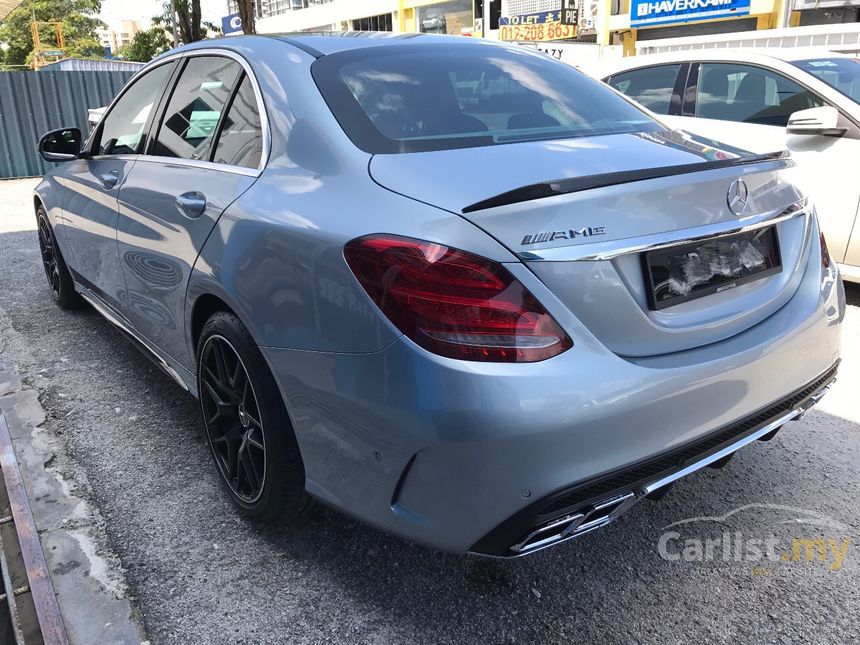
(571, 234)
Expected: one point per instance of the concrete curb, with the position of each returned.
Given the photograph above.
(87, 577)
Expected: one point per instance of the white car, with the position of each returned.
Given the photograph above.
(94, 115)
(803, 99)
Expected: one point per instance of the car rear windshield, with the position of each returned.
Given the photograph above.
(840, 73)
(420, 98)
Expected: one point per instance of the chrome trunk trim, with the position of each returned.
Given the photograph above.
(612, 249)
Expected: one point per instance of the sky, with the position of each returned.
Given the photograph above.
(143, 10)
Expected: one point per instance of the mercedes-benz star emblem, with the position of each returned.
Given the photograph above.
(738, 196)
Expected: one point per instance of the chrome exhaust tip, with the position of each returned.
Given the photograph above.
(807, 405)
(575, 524)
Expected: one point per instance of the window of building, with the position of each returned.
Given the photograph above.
(444, 18)
(382, 22)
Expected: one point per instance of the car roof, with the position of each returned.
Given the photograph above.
(330, 42)
(799, 53)
(323, 43)
(748, 54)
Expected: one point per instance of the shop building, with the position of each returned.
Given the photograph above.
(574, 30)
(628, 24)
(457, 17)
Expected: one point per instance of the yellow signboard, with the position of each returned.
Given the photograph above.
(542, 26)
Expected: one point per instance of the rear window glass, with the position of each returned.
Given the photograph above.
(407, 99)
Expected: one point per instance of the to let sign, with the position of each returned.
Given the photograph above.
(546, 25)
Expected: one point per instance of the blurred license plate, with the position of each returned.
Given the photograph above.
(681, 273)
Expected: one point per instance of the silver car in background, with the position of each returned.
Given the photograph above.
(455, 289)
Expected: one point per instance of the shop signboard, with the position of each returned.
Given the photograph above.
(651, 13)
(569, 12)
(535, 27)
(231, 24)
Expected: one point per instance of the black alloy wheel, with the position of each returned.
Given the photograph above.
(232, 416)
(246, 422)
(49, 256)
(59, 278)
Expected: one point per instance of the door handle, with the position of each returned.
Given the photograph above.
(191, 204)
(109, 179)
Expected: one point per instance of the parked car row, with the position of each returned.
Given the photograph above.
(803, 100)
(458, 290)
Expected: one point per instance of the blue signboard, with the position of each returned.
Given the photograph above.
(650, 13)
(231, 24)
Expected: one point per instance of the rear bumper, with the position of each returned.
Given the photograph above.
(582, 508)
(446, 453)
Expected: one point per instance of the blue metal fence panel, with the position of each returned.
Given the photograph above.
(32, 103)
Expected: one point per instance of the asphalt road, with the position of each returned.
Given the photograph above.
(201, 574)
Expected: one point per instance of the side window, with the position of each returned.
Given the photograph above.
(241, 140)
(192, 114)
(749, 94)
(122, 131)
(651, 87)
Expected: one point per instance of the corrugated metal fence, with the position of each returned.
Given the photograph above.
(32, 103)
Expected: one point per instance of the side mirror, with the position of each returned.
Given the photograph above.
(61, 145)
(821, 120)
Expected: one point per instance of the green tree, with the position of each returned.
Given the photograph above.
(78, 18)
(146, 46)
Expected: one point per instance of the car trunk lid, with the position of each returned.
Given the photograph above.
(581, 212)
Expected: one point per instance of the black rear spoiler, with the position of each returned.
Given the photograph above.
(576, 184)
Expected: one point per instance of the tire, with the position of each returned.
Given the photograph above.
(56, 271)
(254, 420)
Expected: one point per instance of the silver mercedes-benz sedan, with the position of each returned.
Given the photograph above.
(453, 288)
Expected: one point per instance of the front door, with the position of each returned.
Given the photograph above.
(90, 206)
(206, 153)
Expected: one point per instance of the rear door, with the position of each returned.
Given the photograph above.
(90, 206)
(207, 151)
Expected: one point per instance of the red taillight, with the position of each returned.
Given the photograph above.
(825, 253)
(454, 303)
